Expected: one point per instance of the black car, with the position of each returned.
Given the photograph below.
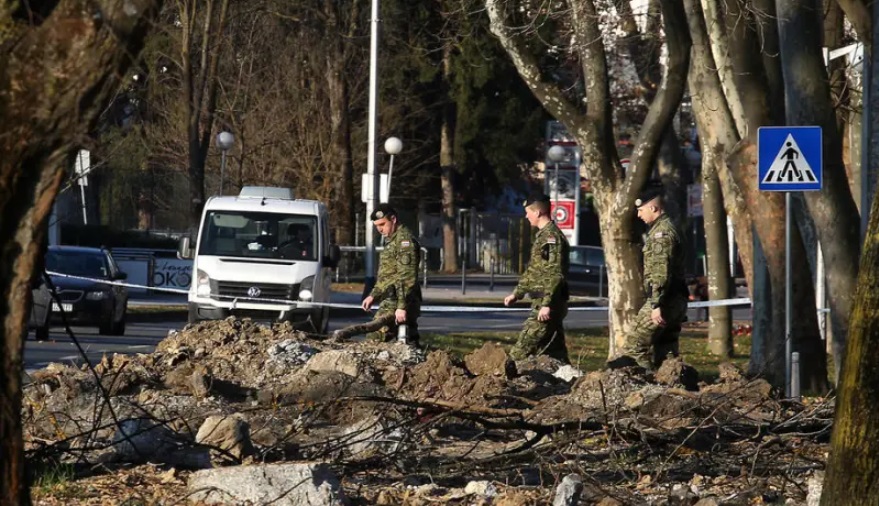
(587, 274)
(84, 299)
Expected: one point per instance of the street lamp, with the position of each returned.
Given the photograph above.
(225, 141)
(372, 175)
(393, 146)
(556, 154)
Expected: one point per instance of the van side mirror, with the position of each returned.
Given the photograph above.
(331, 260)
(184, 248)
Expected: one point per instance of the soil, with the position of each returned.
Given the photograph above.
(437, 423)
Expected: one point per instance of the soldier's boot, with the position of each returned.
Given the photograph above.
(556, 347)
(641, 351)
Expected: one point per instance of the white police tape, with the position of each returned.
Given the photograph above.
(118, 283)
(299, 304)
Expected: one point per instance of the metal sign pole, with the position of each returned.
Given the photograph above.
(788, 346)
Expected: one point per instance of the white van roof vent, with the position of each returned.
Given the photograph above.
(266, 192)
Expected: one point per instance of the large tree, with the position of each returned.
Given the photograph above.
(852, 476)
(589, 118)
(732, 85)
(808, 102)
(59, 65)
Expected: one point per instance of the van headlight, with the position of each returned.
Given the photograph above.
(306, 288)
(202, 284)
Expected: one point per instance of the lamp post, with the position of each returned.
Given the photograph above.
(393, 146)
(372, 175)
(556, 154)
(225, 141)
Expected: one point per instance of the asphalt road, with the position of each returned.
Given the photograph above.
(142, 337)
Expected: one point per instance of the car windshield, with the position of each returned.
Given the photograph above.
(586, 255)
(261, 235)
(78, 263)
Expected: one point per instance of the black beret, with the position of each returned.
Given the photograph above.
(383, 211)
(650, 192)
(535, 198)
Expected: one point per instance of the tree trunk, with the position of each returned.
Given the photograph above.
(55, 79)
(447, 167)
(146, 198)
(718, 133)
(750, 80)
(807, 100)
(852, 476)
(340, 160)
(622, 256)
(717, 249)
(200, 84)
(747, 87)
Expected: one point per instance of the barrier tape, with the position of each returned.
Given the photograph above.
(742, 301)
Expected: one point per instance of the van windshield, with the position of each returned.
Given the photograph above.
(259, 235)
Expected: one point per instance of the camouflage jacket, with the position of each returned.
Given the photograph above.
(397, 278)
(545, 279)
(663, 262)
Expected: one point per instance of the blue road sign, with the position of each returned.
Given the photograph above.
(789, 158)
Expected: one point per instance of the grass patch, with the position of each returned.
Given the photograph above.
(588, 347)
(54, 479)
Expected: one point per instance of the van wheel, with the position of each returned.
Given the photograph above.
(322, 322)
(193, 314)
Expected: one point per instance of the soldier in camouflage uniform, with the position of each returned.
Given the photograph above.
(545, 282)
(396, 289)
(657, 326)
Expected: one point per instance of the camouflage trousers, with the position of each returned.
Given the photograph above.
(388, 331)
(650, 344)
(542, 338)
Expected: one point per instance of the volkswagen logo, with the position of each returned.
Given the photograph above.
(253, 291)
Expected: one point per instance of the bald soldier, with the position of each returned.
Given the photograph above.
(545, 281)
(657, 326)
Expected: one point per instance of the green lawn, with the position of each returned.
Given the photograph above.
(588, 347)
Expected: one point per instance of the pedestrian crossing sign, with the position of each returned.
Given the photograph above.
(789, 158)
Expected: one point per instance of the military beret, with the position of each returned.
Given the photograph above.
(535, 198)
(383, 211)
(650, 192)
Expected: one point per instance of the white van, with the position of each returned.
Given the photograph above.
(262, 254)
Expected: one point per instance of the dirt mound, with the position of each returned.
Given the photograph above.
(430, 424)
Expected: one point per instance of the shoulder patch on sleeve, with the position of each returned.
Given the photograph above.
(550, 240)
(659, 235)
(405, 244)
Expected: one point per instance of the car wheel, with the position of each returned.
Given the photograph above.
(41, 333)
(119, 327)
(105, 328)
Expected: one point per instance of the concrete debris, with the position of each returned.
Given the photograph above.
(276, 484)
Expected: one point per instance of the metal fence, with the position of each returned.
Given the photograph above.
(494, 242)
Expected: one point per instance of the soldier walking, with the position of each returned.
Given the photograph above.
(396, 289)
(657, 326)
(545, 281)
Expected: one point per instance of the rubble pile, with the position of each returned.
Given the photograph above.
(234, 401)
